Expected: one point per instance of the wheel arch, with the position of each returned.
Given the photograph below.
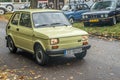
(40, 43)
(10, 35)
(11, 6)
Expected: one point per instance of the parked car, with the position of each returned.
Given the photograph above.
(74, 11)
(3, 10)
(103, 12)
(45, 33)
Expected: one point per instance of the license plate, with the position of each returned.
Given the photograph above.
(94, 20)
(73, 51)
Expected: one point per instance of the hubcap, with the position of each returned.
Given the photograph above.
(9, 8)
(1, 11)
(10, 45)
(39, 56)
(71, 20)
(114, 20)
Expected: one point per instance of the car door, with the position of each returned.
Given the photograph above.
(25, 32)
(12, 26)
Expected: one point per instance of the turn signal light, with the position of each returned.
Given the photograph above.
(55, 47)
(85, 43)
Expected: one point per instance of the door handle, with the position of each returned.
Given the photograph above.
(17, 29)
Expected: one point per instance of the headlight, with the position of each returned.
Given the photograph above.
(54, 41)
(106, 15)
(86, 16)
(102, 16)
(83, 16)
(84, 38)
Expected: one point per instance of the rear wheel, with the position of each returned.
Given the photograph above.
(40, 55)
(81, 55)
(11, 45)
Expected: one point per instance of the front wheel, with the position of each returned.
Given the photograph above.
(71, 20)
(81, 55)
(113, 21)
(11, 45)
(40, 55)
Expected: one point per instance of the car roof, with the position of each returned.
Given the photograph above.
(38, 10)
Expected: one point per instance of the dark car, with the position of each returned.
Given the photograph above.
(103, 12)
(74, 11)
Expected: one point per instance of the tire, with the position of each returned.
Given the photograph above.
(71, 20)
(9, 7)
(11, 45)
(81, 55)
(113, 21)
(2, 11)
(40, 55)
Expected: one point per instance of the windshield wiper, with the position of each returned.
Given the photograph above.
(59, 24)
(42, 25)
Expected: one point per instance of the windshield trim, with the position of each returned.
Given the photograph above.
(49, 25)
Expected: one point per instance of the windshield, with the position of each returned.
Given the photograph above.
(68, 7)
(46, 19)
(104, 5)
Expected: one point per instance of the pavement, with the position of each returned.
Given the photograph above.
(101, 63)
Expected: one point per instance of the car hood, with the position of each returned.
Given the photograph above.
(68, 12)
(57, 32)
(96, 12)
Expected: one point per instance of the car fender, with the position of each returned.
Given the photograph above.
(2, 7)
(39, 42)
(71, 16)
(10, 35)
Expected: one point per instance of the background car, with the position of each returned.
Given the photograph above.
(103, 12)
(74, 11)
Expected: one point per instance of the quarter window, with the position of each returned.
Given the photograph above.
(15, 19)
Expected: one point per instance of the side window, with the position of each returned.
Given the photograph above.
(118, 5)
(85, 7)
(15, 19)
(25, 20)
(79, 7)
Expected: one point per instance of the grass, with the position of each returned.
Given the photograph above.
(105, 31)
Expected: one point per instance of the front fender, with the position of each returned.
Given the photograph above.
(40, 42)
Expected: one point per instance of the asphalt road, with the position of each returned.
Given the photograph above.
(101, 63)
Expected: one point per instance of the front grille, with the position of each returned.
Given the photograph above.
(93, 16)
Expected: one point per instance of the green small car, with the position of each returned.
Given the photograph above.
(45, 33)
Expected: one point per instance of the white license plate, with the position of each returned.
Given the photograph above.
(73, 51)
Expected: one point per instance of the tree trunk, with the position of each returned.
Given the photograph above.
(33, 4)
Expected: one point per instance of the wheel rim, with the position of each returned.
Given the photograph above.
(71, 20)
(1, 11)
(114, 20)
(10, 45)
(9, 8)
(39, 56)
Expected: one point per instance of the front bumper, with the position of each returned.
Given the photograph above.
(62, 51)
(98, 21)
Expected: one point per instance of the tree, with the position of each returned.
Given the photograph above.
(33, 4)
